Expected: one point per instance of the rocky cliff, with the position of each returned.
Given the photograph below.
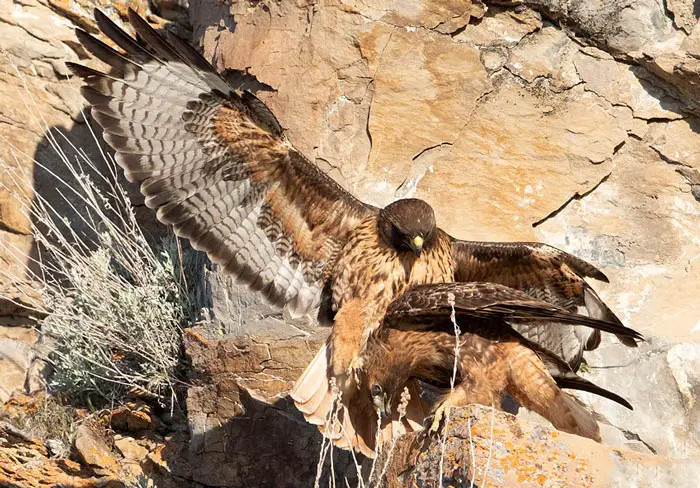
(569, 122)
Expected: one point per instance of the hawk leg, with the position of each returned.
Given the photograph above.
(346, 344)
(531, 384)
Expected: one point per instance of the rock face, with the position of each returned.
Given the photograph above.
(240, 422)
(572, 126)
(483, 446)
(569, 122)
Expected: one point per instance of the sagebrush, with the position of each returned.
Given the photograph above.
(115, 301)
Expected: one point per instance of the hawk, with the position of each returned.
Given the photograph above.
(214, 163)
(418, 340)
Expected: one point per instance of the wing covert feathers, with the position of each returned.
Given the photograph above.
(543, 272)
(214, 163)
(474, 259)
(431, 306)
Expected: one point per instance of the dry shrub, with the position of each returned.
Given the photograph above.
(115, 303)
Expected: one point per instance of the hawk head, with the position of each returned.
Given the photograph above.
(407, 225)
(385, 373)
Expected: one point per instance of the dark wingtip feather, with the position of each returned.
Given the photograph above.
(152, 38)
(82, 71)
(584, 268)
(117, 34)
(575, 382)
(629, 341)
(600, 276)
(545, 311)
(103, 52)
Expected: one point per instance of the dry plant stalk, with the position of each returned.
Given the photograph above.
(443, 440)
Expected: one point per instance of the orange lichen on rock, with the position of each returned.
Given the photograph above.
(484, 446)
(29, 468)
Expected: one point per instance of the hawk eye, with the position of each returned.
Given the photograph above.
(376, 390)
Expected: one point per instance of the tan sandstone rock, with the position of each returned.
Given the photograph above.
(508, 126)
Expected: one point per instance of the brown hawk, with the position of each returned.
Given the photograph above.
(215, 164)
(418, 340)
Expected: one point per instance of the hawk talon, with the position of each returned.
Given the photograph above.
(439, 419)
(354, 370)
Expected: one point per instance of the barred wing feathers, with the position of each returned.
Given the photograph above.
(215, 164)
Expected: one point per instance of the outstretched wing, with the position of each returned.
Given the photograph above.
(477, 306)
(215, 164)
(546, 273)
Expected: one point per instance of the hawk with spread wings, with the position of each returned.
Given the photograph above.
(215, 164)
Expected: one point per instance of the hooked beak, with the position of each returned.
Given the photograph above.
(417, 245)
(382, 405)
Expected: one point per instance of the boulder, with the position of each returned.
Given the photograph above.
(92, 448)
(481, 446)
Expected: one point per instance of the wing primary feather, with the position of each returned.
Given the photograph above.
(83, 71)
(565, 377)
(599, 310)
(118, 36)
(187, 52)
(486, 301)
(575, 382)
(152, 38)
(105, 53)
(190, 139)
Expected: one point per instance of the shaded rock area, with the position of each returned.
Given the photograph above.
(243, 429)
(40, 103)
(568, 122)
(484, 447)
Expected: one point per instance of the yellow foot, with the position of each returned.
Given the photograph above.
(350, 378)
(440, 414)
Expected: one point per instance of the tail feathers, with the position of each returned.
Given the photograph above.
(355, 426)
(323, 411)
(313, 379)
(597, 309)
(318, 403)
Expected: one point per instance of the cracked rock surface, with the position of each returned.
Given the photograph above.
(570, 122)
(560, 122)
(487, 447)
